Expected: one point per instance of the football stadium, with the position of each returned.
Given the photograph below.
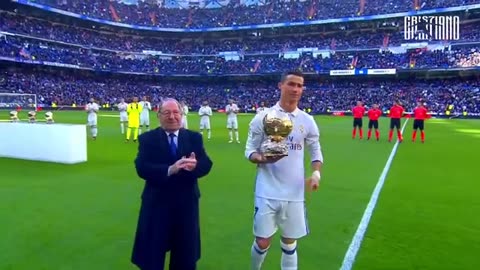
(389, 92)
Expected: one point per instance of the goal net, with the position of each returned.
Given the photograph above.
(22, 103)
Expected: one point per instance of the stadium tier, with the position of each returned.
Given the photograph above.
(44, 40)
(203, 14)
(282, 77)
(376, 38)
(38, 41)
(22, 49)
(71, 88)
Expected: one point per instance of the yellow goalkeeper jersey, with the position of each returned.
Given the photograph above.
(134, 109)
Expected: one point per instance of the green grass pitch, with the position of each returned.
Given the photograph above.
(75, 217)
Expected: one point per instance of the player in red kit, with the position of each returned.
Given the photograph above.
(420, 113)
(358, 112)
(396, 113)
(373, 115)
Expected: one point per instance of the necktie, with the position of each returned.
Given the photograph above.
(173, 145)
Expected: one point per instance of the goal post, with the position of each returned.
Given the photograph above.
(17, 101)
(16, 107)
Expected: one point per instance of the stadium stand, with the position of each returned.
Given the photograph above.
(67, 88)
(89, 55)
(236, 13)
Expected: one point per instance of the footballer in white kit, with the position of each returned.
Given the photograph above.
(92, 109)
(145, 115)
(205, 112)
(122, 108)
(184, 114)
(261, 108)
(232, 122)
(280, 182)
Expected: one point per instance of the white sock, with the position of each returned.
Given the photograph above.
(230, 135)
(258, 256)
(209, 134)
(94, 131)
(236, 136)
(201, 132)
(140, 130)
(122, 127)
(289, 256)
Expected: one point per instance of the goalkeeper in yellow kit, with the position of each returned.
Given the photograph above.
(133, 110)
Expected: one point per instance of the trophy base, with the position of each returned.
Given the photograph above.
(271, 149)
(275, 155)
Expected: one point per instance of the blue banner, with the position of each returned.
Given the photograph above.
(363, 71)
(46, 63)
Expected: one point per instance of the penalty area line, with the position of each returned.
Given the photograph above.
(354, 247)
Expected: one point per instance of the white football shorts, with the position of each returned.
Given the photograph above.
(271, 215)
(123, 117)
(145, 120)
(232, 123)
(92, 120)
(205, 124)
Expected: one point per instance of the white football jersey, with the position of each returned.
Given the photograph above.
(230, 110)
(205, 112)
(146, 108)
(122, 106)
(185, 110)
(92, 108)
(285, 179)
(261, 109)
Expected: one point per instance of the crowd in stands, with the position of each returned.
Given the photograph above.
(320, 97)
(235, 14)
(20, 48)
(43, 42)
(341, 40)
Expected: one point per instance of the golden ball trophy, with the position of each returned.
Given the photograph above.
(277, 126)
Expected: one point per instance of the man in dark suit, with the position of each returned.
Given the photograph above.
(171, 160)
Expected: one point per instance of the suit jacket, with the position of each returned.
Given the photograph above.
(169, 214)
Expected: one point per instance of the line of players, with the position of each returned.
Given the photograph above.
(420, 113)
(232, 110)
(136, 116)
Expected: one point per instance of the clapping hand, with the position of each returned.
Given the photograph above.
(185, 164)
(190, 162)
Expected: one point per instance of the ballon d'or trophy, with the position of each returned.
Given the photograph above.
(277, 126)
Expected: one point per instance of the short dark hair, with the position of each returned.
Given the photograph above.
(291, 72)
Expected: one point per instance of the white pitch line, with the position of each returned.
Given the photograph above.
(354, 247)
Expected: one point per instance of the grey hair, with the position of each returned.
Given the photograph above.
(165, 100)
